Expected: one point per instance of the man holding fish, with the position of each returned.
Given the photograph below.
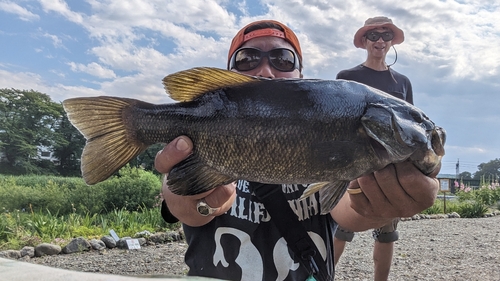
(230, 233)
(259, 174)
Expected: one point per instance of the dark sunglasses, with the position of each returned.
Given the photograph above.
(282, 59)
(374, 36)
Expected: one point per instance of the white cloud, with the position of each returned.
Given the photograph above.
(56, 41)
(450, 52)
(93, 69)
(61, 7)
(21, 80)
(13, 8)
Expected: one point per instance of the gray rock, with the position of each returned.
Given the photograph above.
(28, 251)
(97, 244)
(47, 249)
(165, 237)
(144, 234)
(10, 254)
(142, 241)
(109, 241)
(122, 243)
(76, 245)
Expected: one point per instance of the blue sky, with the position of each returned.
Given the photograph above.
(124, 48)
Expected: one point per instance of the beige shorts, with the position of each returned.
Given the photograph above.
(386, 234)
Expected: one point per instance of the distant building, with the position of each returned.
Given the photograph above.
(43, 152)
(46, 153)
(472, 183)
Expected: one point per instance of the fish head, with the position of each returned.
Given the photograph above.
(399, 131)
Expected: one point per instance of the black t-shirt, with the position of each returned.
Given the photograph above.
(389, 81)
(244, 243)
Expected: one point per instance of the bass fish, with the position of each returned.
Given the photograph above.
(276, 131)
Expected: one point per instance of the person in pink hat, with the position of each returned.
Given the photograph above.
(377, 36)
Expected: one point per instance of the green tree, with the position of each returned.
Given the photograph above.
(146, 160)
(490, 170)
(68, 148)
(27, 121)
(465, 175)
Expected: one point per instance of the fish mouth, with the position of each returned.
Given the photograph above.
(427, 161)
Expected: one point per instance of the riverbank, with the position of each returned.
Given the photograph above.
(428, 249)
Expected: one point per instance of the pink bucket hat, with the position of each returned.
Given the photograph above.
(376, 22)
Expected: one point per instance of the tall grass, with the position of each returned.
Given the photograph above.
(472, 203)
(18, 229)
(54, 209)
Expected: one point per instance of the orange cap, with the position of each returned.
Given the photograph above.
(240, 38)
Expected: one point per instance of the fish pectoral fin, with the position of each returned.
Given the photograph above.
(188, 84)
(191, 177)
(110, 142)
(330, 195)
(313, 188)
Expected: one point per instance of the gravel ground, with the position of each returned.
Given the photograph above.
(431, 249)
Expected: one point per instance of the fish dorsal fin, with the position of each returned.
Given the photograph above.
(188, 84)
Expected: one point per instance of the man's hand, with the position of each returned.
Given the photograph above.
(184, 207)
(398, 190)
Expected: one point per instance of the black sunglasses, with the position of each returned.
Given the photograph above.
(282, 59)
(374, 36)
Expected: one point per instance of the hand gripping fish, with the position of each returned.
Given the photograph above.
(280, 131)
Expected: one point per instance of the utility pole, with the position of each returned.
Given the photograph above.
(457, 169)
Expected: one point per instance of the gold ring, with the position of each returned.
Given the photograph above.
(354, 190)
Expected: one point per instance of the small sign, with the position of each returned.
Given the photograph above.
(133, 244)
(444, 184)
(113, 234)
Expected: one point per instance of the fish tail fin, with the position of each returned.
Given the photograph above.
(111, 143)
(329, 193)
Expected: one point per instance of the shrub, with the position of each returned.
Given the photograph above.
(472, 210)
(40, 196)
(434, 209)
(131, 189)
(488, 194)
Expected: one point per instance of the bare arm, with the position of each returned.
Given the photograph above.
(184, 207)
(398, 190)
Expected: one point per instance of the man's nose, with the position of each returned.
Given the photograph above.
(265, 69)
